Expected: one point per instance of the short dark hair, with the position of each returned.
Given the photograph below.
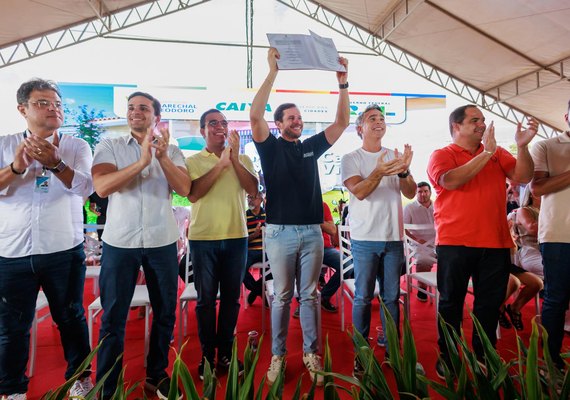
(458, 115)
(422, 184)
(26, 88)
(205, 114)
(278, 114)
(155, 102)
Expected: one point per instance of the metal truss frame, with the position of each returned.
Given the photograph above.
(104, 24)
(378, 43)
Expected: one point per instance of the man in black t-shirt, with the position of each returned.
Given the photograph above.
(293, 238)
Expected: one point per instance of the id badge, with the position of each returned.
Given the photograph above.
(42, 184)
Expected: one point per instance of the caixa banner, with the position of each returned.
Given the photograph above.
(315, 106)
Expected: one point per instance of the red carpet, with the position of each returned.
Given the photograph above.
(50, 365)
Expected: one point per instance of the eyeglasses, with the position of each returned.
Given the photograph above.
(214, 123)
(43, 104)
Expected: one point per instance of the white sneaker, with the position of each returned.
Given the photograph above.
(80, 388)
(312, 362)
(15, 396)
(275, 368)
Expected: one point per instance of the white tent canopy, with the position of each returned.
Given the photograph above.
(510, 56)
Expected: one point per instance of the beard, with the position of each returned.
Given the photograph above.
(291, 134)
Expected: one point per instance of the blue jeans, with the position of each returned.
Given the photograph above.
(62, 277)
(295, 253)
(253, 256)
(376, 261)
(556, 261)
(119, 272)
(218, 265)
(331, 258)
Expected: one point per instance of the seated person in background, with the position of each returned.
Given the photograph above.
(331, 258)
(182, 216)
(420, 211)
(513, 195)
(527, 267)
(524, 223)
(255, 219)
(98, 206)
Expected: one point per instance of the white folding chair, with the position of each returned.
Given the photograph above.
(41, 303)
(424, 252)
(347, 286)
(140, 299)
(93, 250)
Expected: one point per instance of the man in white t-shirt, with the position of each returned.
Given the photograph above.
(375, 177)
(420, 211)
(552, 181)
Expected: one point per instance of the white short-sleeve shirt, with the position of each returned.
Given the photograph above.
(139, 215)
(379, 216)
(553, 156)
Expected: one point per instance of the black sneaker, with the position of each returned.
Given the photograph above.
(440, 370)
(421, 296)
(160, 387)
(328, 306)
(202, 366)
(297, 312)
(358, 370)
(224, 365)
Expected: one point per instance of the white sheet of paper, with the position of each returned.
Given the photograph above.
(305, 52)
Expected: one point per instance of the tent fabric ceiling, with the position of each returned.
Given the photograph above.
(514, 50)
(27, 19)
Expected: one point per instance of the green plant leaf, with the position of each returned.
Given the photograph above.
(180, 372)
(330, 392)
(247, 387)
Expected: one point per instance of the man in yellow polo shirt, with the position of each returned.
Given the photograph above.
(218, 234)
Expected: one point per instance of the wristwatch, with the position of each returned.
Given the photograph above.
(404, 174)
(59, 167)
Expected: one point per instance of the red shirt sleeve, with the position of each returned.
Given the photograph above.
(327, 216)
(439, 163)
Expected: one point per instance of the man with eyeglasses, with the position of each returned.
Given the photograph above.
(294, 242)
(44, 177)
(138, 173)
(218, 235)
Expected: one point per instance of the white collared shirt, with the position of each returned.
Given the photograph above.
(415, 213)
(33, 222)
(140, 214)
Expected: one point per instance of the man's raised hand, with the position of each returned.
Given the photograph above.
(523, 137)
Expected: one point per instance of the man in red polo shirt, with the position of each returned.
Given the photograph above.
(473, 239)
